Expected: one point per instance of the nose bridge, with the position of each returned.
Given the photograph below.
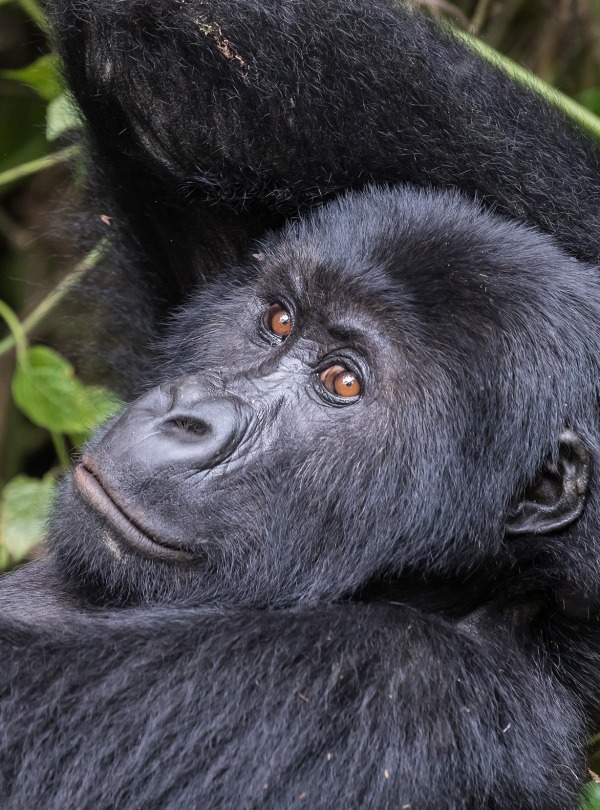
(206, 415)
(193, 389)
(257, 387)
(265, 384)
(252, 391)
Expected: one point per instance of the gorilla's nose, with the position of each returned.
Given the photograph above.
(203, 434)
(184, 425)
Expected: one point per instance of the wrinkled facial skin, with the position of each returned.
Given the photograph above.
(235, 468)
(330, 414)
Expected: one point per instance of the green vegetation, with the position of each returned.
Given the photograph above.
(41, 384)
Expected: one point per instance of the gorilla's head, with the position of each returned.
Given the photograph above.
(400, 382)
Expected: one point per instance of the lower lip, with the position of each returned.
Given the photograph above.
(95, 495)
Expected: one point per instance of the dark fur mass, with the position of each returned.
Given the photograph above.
(343, 620)
(212, 121)
(341, 552)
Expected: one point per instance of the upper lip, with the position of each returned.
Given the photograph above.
(92, 488)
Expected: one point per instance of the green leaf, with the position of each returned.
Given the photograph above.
(21, 131)
(35, 13)
(590, 797)
(45, 388)
(591, 99)
(42, 75)
(61, 117)
(24, 508)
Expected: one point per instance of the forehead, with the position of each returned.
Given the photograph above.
(405, 253)
(449, 285)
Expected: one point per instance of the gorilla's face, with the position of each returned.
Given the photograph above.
(329, 416)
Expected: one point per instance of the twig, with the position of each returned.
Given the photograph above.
(25, 169)
(61, 451)
(571, 108)
(479, 15)
(17, 333)
(47, 304)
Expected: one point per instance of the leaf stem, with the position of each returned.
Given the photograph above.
(571, 108)
(37, 165)
(61, 451)
(17, 336)
(34, 11)
(479, 16)
(54, 297)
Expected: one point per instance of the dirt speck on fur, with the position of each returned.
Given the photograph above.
(222, 44)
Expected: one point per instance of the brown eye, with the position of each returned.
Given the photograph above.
(341, 381)
(278, 321)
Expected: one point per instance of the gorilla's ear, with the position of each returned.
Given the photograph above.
(557, 496)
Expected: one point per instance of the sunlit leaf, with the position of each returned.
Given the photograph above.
(61, 117)
(42, 75)
(590, 797)
(24, 507)
(46, 390)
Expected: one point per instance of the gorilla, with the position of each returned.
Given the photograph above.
(315, 562)
(340, 549)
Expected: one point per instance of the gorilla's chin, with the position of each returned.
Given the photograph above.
(109, 565)
(97, 553)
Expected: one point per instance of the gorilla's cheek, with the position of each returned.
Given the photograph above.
(176, 519)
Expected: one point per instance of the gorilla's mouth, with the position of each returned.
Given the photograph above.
(88, 484)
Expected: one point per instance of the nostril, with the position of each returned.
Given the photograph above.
(198, 432)
(189, 425)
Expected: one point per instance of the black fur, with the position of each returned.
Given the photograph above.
(259, 593)
(348, 625)
(211, 121)
(346, 706)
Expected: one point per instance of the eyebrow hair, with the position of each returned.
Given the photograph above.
(347, 334)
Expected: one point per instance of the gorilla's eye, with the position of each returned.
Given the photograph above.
(341, 381)
(278, 321)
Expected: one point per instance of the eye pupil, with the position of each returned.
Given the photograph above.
(345, 383)
(341, 381)
(278, 321)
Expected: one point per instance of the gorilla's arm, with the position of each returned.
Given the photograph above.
(377, 705)
(276, 104)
